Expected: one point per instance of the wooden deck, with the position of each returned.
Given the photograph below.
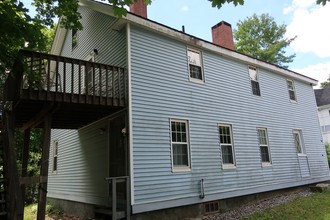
(77, 92)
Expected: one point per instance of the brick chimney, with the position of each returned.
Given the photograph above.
(139, 8)
(222, 35)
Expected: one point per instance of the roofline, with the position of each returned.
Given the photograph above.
(58, 40)
(190, 40)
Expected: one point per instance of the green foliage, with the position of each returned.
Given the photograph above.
(311, 207)
(262, 38)
(17, 30)
(326, 83)
(322, 2)
(327, 148)
(219, 3)
(33, 168)
(53, 211)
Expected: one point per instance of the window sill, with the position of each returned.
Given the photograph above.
(228, 166)
(302, 155)
(293, 101)
(266, 164)
(181, 169)
(199, 81)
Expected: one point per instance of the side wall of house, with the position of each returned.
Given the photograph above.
(82, 162)
(161, 90)
(324, 117)
(83, 154)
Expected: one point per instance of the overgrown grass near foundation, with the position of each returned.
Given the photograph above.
(313, 207)
(30, 212)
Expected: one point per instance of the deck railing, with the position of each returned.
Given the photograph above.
(113, 181)
(41, 76)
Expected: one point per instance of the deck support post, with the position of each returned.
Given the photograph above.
(25, 158)
(42, 195)
(16, 207)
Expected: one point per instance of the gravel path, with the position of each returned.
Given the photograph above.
(261, 205)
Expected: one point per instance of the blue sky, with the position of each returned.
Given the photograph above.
(303, 18)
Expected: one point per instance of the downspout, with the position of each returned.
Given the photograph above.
(130, 132)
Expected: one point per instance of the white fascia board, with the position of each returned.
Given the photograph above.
(59, 38)
(193, 41)
(322, 107)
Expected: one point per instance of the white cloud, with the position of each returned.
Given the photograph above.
(320, 72)
(310, 25)
(185, 8)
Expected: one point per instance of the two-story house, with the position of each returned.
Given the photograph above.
(202, 122)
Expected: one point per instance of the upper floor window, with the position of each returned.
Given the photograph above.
(264, 146)
(55, 155)
(180, 145)
(298, 142)
(227, 146)
(195, 65)
(292, 92)
(254, 80)
(74, 38)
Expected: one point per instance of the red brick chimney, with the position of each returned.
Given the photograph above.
(222, 35)
(139, 8)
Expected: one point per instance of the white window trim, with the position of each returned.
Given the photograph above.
(55, 145)
(294, 90)
(202, 81)
(176, 168)
(299, 132)
(257, 74)
(264, 164)
(228, 166)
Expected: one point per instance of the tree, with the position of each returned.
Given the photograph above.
(262, 38)
(326, 83)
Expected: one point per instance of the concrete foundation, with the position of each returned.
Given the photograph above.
(191, 212)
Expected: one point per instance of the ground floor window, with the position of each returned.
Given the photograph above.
(264, 146)
(226, 145)
(180, 145)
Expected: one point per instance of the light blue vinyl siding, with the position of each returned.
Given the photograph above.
(161, 90)
(97, 34)
(82, 165)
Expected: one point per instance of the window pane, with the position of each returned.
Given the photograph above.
(290, 84)
(180, 154)
(255, 88)
(297, 142)
(227, 154)
(195, 72)
(262, 137)
(292, 95)
(194, 58)
(225, 137)
(264, 154)
(253, 74)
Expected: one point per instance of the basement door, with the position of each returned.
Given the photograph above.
(118, 152)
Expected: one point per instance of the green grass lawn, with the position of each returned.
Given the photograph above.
(312, 207)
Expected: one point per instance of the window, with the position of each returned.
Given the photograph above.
(226, 145)
(297, 141)
(254, 81)
(180, 145)
(264, 146)
(55, 154)
(292, 93)
(195, 65)
(74, 38)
